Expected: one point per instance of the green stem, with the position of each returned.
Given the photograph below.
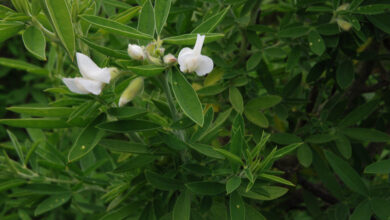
(172, 108)
(168, 94)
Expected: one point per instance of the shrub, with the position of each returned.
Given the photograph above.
(191, 109)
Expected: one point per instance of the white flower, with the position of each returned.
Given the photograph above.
(90, 70)
(83, 86)
(191, 60)
(136, 52)
(93, 78)
(134, 88)
(169, 59)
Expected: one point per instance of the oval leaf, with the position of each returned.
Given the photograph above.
(60, 17)
(186, 97)
(35, 42)
(51, 203)
(182, 208)
(347, 174)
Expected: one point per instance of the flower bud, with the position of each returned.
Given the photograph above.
(169, 59)
(114, 72)
(343, 7)
(134, 88)
(136, 52)
(345, 25)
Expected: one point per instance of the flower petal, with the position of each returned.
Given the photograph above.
(90, 70)
(73, 86)
(205, 65)
(92, 86)
(188, 62)
(184, 51)
(199, 43)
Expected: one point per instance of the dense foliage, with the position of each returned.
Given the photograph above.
(292, 123)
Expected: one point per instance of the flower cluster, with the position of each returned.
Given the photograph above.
(94, 78)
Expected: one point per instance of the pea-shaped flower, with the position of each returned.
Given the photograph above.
(93, 77)
(135, 87)
(136, 52)
(190, 60)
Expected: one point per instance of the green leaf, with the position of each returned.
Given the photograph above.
(230, 156)
(286, 150)
(35, 42)
(115, 27)
(362, 211)
(146, 70)
(146, 20)
(345, 74)
(320, 138)
(9, 29)
(355, 4)
(293, 32)
(202, 131)
(360, 113)
(211, 23)
(206, 150)
(285, 138)
(347, 174)
(17, 146)
(9, 184)
(264, 102)
(186, 97)
(45, 189)
(47, 123)
(232, 184)
(305, 155)
(253, 61)
(212, 90)
(174, 142)
(162, 182)
(122, 126)
(126, 112)
(22, 65)
(135, 162)
(276, 179)
(381, 21)
(51, 203)
(252, 213)
(125, 16)
(272, 192)
(86, 141)
(256, 117)
(344, 146)
(190, 39)
(366, 134)
(316, 43)
(125, 146)
(105, 50)
(372, 9)
(319, 9)
(161, 11)
(236, 100)
(61, 20)
(206, 188)
(379, 167)
(327, 176)
(380, 207)
(237, 207)
(182, 208)
(42, 111)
